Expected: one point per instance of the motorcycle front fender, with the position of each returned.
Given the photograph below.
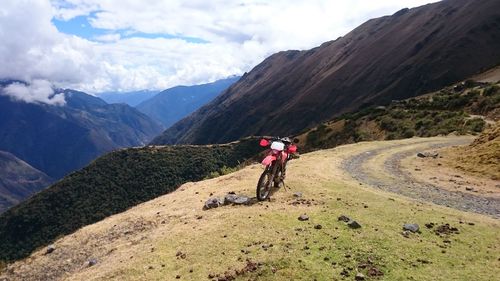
(268, 160)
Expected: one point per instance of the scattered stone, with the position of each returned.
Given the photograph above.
(353, 224)
(297, 194)
(242, 200)
(427, 154)
(303, 217)
(429, 225)
(406, 234)
(150, 267)
(413, 227)
(92, 262)
(236, 199)
(212, 203)
(344, 218)
(198, 217)
(229, 198)
(359, 276)
(177, 277)
(469, 188)
(318, 226)
(51, 248)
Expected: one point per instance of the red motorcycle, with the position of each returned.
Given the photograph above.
(281, 150)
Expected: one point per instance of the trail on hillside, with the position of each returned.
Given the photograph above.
(380, 167)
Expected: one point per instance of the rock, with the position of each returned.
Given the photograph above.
(427, 154)
(230, 198)
(318, 226)
(51, 248)
(236, 199)
(413, 227)
(212, 203)
(359, 276)
(344, 218)
(469, 188)
(353, 224)
(303, 217)
(242, 200)
(297, 194)
(92, 262)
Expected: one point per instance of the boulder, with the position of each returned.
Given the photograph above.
(359, 276)
(51, 248)
(212, 203)
(427, 154)
(303, 217)
(353, 224)
(236, 199)
(344, 218)
(413, 227)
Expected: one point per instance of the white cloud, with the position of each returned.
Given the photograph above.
(240, 34)
(38, 91)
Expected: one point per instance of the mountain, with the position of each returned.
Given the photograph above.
(389, 58)
(60, 139)
(173, 104)
(18, 180)
(109, 185)
(130, 98)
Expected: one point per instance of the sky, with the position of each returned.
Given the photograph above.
(128, 45)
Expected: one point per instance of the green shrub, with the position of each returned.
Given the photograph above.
(475, 124)
(491, 90)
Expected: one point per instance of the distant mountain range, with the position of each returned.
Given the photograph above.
(130, 98)
(394, 57)
(60, 139)
(171, 105)
(18, 180)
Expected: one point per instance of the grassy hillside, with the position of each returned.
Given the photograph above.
(109, 185)
(172, 236)
(482, 157)
(452, 109)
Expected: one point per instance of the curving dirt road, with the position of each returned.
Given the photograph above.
(381, 167)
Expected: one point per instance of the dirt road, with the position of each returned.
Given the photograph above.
(380, 167)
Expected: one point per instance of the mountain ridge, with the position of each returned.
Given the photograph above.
(60, 139)
(393, 57)
(173, 104)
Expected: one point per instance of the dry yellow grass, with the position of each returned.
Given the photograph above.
(482, 157)
(148, 242)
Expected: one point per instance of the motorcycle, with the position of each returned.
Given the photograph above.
(281, 150)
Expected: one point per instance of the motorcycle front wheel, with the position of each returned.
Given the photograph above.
(266, 182)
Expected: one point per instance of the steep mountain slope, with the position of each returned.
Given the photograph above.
(59, 139)
(173, 104)
(393, 57)
(465, 108)
(130, 98)
(18, 180)
(172, 238)
(109, 185)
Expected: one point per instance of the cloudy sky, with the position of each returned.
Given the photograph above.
(126, 45)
